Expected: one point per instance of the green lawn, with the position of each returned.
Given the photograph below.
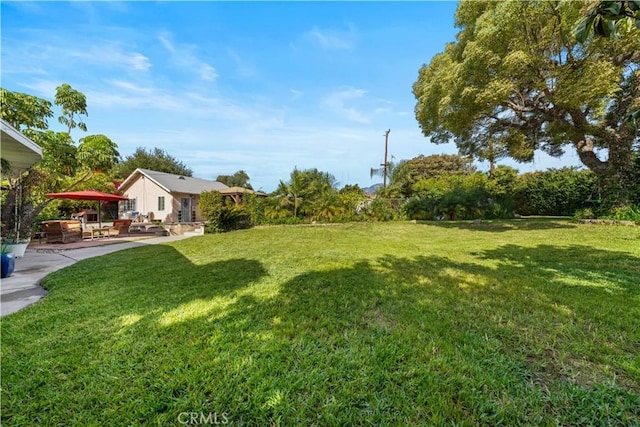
(532, 322)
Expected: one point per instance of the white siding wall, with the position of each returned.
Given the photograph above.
(146, 193)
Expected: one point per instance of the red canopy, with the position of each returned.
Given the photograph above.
(87, 195)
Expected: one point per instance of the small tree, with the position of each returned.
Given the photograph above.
(238, 179)
(221, 215)
(65, 165)
(408, 172)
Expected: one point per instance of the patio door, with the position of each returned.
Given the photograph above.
(185, 209)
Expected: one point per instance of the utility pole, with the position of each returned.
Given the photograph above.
(385, 165)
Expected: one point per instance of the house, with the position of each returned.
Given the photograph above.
(163, 196)
(17, 149)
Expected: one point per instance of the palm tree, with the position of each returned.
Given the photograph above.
(291, 193)
(327, 206)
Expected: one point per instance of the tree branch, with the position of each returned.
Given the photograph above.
(585, 151)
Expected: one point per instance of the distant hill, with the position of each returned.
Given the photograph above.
(372, 189)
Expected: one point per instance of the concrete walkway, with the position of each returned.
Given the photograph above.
(23, 288)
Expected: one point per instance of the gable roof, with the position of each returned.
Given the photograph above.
(173, 183)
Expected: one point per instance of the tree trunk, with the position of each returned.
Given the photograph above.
(613, 173)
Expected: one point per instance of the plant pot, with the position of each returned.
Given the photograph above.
(8, 264)
(18, 249)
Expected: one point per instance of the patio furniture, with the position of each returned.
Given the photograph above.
(120, 227)
(64, 231)
(93, 233)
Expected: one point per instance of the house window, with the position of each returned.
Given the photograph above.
(160, 203)
(129, 205)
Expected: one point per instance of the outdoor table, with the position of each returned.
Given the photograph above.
(98, 232)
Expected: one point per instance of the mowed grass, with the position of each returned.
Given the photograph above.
(532, 322)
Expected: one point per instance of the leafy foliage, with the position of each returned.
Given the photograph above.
(382, 209)
(352, 199)
(65, 164)
(154, 159)
(222, 215)
(73, 104)
(24, 111)
(238, 179)
(552, 192)
(408, 172)
(308, 193)
(556, 192)
(451, 197)
(517, 79)
(606, 18)
(97, 153)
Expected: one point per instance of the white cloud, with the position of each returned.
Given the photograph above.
(295, 95)
(166, 43)
(55, 53)
(243, 68)
(138, 61)
(184, 56)
(44, 88)
(108, 53)
(337, 103)
(131, 87)
(331, 38)
(126, 95)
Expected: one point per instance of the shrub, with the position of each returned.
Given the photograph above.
(463, 197)
(586, 213)
(555, 191)
(383, 210)
(419, 208)
(631, 213)
(222, 216)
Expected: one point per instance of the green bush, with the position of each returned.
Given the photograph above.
(419, 209)
(631, 213)
(221, 215)
(586, 213)
(463, 197)
(383, 210)
(555, 192)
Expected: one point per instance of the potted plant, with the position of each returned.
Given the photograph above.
(16, 234)
(19, 211)
(8, 261)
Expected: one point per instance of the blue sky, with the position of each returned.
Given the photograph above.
(223, 86)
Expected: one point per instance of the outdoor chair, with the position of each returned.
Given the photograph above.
(120, 227)
(64, 231)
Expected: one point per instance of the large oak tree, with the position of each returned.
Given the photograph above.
(516, 81)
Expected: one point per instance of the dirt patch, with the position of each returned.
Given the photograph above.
(376, 318)
(607, 222)
(550, 367)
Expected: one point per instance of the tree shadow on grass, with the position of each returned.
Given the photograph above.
(451, 340)
(512, 338)
(70, 356)
(151, 279)
(506, 225)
